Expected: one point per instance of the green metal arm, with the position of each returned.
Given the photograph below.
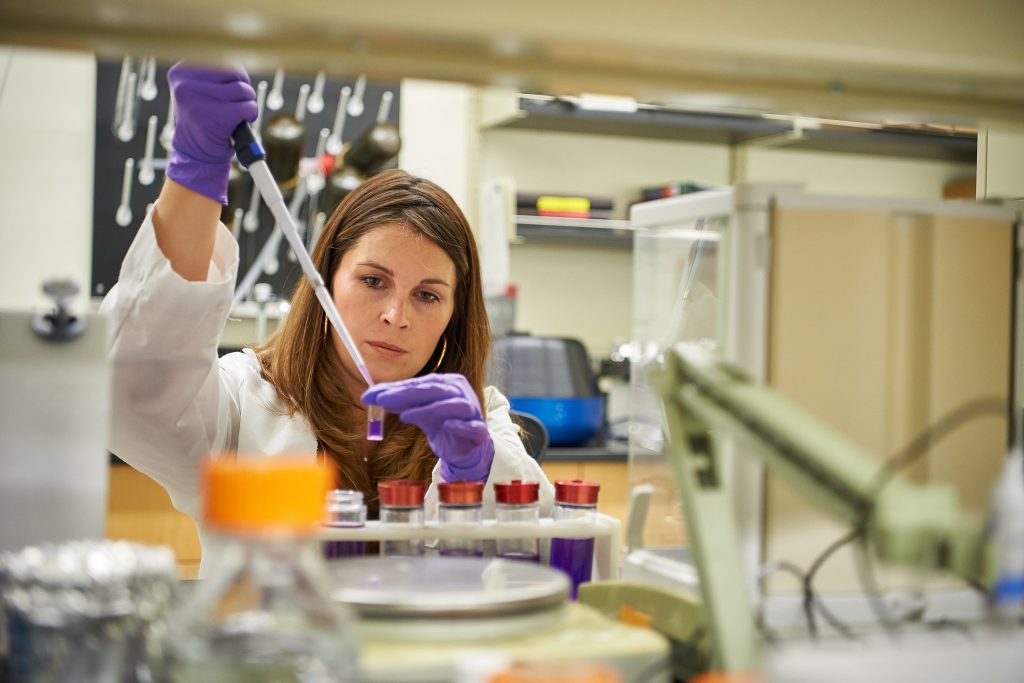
(912, 525)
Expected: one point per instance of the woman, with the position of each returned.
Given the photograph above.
(402, 267)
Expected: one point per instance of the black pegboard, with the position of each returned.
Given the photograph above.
(110, 241)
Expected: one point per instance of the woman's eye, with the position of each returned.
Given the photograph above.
(430, 297)
(372, 281)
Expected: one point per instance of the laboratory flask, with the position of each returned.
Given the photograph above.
(265, 613)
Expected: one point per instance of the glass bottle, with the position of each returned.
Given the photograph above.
(401, 503)
(461, 505)
(575, 500)
(264, 613)
(345, 510)
(516, 502)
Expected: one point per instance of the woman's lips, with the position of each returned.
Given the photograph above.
(387, 350)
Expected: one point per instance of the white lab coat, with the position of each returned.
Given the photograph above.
(174, 402)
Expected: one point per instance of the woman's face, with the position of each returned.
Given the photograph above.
(395, 290)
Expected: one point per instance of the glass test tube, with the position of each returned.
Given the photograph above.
(401, 503)
(345, 510)
(374, 423)
(574, 500)
(516, 502)
(461, 505)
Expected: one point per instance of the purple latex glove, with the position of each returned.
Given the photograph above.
(446, 408)
(209, 103)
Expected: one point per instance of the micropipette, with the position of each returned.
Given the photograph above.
(251, 156)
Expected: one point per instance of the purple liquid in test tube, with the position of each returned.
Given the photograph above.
(374, 423)
(334, 550)
(575, 557)
(345, 509)
(575, 501)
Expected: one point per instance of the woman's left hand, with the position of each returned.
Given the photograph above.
(446, 408)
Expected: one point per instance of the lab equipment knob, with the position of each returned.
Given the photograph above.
(60, 324)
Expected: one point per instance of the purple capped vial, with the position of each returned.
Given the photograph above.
(575, 500)
(460, 505)
(516, 502)
(345, 509)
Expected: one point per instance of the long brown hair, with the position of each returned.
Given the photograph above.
(301, 362)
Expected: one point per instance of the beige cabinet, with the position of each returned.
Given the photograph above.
(139, 510)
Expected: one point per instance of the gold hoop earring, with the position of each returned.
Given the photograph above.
(326, 326)
(444, 347)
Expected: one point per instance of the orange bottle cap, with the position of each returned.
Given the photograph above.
(557, 672)
(257, 494)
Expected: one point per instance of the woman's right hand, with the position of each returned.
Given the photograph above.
(209, 103)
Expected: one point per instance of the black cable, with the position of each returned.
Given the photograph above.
(939, 430)
(868, 584)
(906, 456)
(810, 599)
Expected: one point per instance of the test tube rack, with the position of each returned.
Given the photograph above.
(604, 529)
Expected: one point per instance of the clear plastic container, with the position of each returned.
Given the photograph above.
(461, 505)
(575, 500)
(265, 612)
(517, 503)
(345, 510)
(401, 502)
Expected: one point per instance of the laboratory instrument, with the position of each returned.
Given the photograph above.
(355, 104)
(251, 222)
(421, 616)
(123, 215)
(315, 103)
(401, 504)
(283, 138)
(918, 526)
(517, 503)
(261, 105)
(252, 156)
(345, 510)
(378, 144)
(120, 96)
(340, 182)
(552, 379)
(82, 610)
(147, 88)
(460, 505)
(167, 132)
(275, 98)
(54, 417)
(334, 143)
(264, 613)
(146, 172)
(575, 501)
(126, 127)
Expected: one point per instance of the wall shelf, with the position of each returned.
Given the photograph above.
(576, 231)
(562, 115)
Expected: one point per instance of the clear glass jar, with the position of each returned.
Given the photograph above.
(516, 503)
(345, 510)
(401, 503)
(460, 505)
(575, 500)
(265, 613)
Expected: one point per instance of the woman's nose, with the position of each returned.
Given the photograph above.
(394, 313)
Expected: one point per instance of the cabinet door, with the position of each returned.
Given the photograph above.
(139, 510)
